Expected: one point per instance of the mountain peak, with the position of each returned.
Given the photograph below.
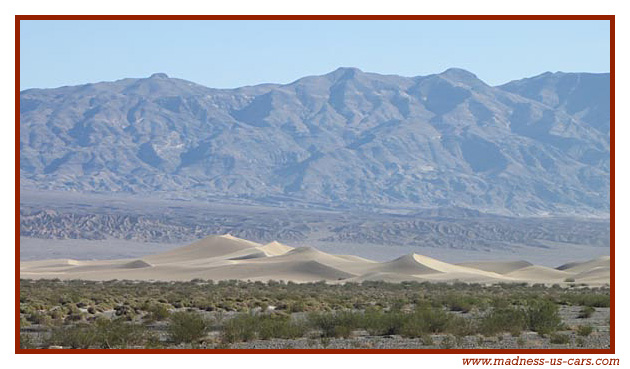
(345, 73)
(159, 76)
(459, 75)
(347, 70)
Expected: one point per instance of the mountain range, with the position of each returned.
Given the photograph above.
(351, 139)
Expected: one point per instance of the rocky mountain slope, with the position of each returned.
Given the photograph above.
(349, 139)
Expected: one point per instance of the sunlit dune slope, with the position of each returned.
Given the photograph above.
(226, 257)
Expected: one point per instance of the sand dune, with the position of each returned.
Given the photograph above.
(209, 247)
(226, 257)
(49, 264)
(275, 248)
(596, 275)
(406, 265)
(137, 264)
(579, 267)
(251, 255)
(500, 267)
(540, 273)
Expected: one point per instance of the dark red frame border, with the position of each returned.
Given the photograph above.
(610, 18)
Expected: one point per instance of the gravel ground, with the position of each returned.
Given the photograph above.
(531, 340)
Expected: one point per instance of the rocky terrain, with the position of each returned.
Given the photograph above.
(489, 232)
(60, 216)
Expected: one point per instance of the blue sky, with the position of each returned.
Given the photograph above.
(226, 54)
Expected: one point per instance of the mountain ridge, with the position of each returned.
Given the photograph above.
(346, 138)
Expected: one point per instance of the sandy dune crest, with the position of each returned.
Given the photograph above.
(578, 267)
(500, 267)
(226, 257)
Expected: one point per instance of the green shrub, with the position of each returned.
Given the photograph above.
(559, 339)
(380, 323)
(459, 302)
(186, 326)
(339, 324)
(344, 331)
(246, 327)
(156, 312)
(238, 329)
(103, 333)
(588, 299)
(57, 314)
(269, 326)
(125, 311)
(76, 336)
(435, 320)
(118, 333)
(26, 341)
(408, 326)
(584, 330)
(39, 318)
(448, 342)
(324, 341)
(461, 327)
(323, 321)
(586, 312)
(502, 320)
(24, 322)
(297, 306)
(422, 321)
(543, 317)
(153, 342)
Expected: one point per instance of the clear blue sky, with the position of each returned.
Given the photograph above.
(226, 54)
